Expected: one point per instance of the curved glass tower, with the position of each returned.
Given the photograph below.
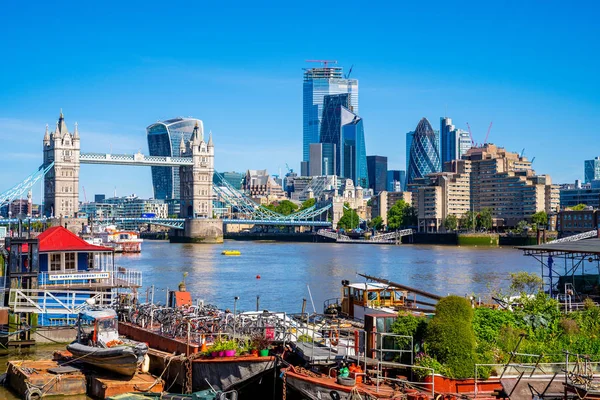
(424, 157)
(163, 140)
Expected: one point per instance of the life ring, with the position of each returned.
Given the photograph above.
(335, 337)
(33, 393)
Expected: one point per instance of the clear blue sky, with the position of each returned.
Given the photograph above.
(115, 67)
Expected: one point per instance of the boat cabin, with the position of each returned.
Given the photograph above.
(97, 326)
(359, 299)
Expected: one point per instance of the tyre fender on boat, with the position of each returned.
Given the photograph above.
(146, 364)
(33, 393)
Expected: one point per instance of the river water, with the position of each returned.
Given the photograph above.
(288, 270)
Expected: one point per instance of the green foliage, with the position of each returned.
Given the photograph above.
(307, 204)
(484, 219)
(423, 360)
(349, 220)
(450, 337)
(540, 218)
(376, 223)
(467, 221)
(525, 283)
(401, 215)
(579, 207)
(409, 325)
(522, 226)
(284, 207)
(451, 222)
(304, 338)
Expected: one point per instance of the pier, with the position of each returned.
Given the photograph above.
(394, 237)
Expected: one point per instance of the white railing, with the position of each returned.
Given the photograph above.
(574, 238)
(56, 301)
(91, 279)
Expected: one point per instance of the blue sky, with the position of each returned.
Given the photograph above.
(115, 67)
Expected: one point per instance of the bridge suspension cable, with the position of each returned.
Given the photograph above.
(17, 190)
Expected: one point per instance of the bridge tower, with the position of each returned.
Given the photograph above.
(196, 191)
(61, 183)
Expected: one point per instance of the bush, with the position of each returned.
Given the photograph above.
(409, 325)
(450, 336)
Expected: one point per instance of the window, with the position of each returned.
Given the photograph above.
(55, 262)
(70, 264)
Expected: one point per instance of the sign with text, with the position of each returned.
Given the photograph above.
(71, 277)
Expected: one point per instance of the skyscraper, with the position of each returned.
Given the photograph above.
(164, 139)
(592, 170)
(377, 168)
(396, 181)
(319, 82)
(454, 142)
(322, 159)
(424, 155)
(409, 139)
(345, 130)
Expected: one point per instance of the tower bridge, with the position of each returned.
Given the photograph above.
(62, 159)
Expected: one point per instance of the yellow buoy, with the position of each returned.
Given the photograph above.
(231, 252)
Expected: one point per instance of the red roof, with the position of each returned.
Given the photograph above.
(58, 238)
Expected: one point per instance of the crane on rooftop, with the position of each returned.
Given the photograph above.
(488, 133)
(471, 135)
(324, 62)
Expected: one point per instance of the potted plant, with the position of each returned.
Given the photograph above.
(261, 343)
(229, 346)
(215, 349)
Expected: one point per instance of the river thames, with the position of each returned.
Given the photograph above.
(285, 270)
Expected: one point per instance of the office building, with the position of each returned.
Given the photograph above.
(454, 142)
(592, 170)
(574, 222)
(234, 179)
(588, 195)
(344, 128)
(424, 157)
(260, 185)
(318, 83)
(409, 139)
(99, 197)
(377, 171)
(396, 181)
(322, 159)
(383, 201)
(164, 139)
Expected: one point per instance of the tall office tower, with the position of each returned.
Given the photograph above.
(409, 139)
(424, 155)
(345, 130)
(164, 139)
(377, 168)
(448, 140)
(396, 181)
(592, 170)
(319, 82)
(322, 159)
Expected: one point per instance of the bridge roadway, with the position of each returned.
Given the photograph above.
(134, 159)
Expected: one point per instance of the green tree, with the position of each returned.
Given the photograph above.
(451, 222)
(349, 220)
(286, 207)
(307, 204)
(396, 215)
(467, 221)
(525, 283)
(540, 218)
(410, 217)
(450, 336)
(376, 223)
(484, 219)
(522, 226)
(579, 207)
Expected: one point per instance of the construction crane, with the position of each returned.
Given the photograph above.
(522, 152)
(488, 133)
(290, 171)
(532, 160)
(84, 195)
(324, 62)
(347, 76)
(471, 135)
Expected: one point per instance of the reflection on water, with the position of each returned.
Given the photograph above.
(285, 270)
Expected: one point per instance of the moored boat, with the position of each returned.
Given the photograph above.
(98, 343)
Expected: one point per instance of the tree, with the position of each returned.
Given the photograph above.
(376, 223)
(450, 336)
(349, 220)
(410, 217)
(484, 219)
(579, 207)
(540, 218)
(451, 222)
(396, 215)
(525, 283)
(286, 207)
(307, 204)
(522, 226)
(467, 221)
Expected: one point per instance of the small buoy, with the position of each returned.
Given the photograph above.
(146, 364)
(257, 276)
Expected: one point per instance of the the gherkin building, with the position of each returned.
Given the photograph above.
(424, 155)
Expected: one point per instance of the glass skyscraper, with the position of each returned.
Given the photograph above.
(409, 139)
(345, 129)
(396, 181)
(319, 82)
(592, 170)
(377, 167)
(424, 155)
(164, 139)
(454, 142)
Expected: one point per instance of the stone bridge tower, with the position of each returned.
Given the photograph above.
(61, 183)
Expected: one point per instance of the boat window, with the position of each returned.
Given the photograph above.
(70, 264)
(385, 295)
(372, 296)
(105, 325)
(55, 261)
(399, 295)
(360, 294)
(346, 291)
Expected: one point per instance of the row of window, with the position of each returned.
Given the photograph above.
(62, 262)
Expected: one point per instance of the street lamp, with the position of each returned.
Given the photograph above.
(235, 299)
